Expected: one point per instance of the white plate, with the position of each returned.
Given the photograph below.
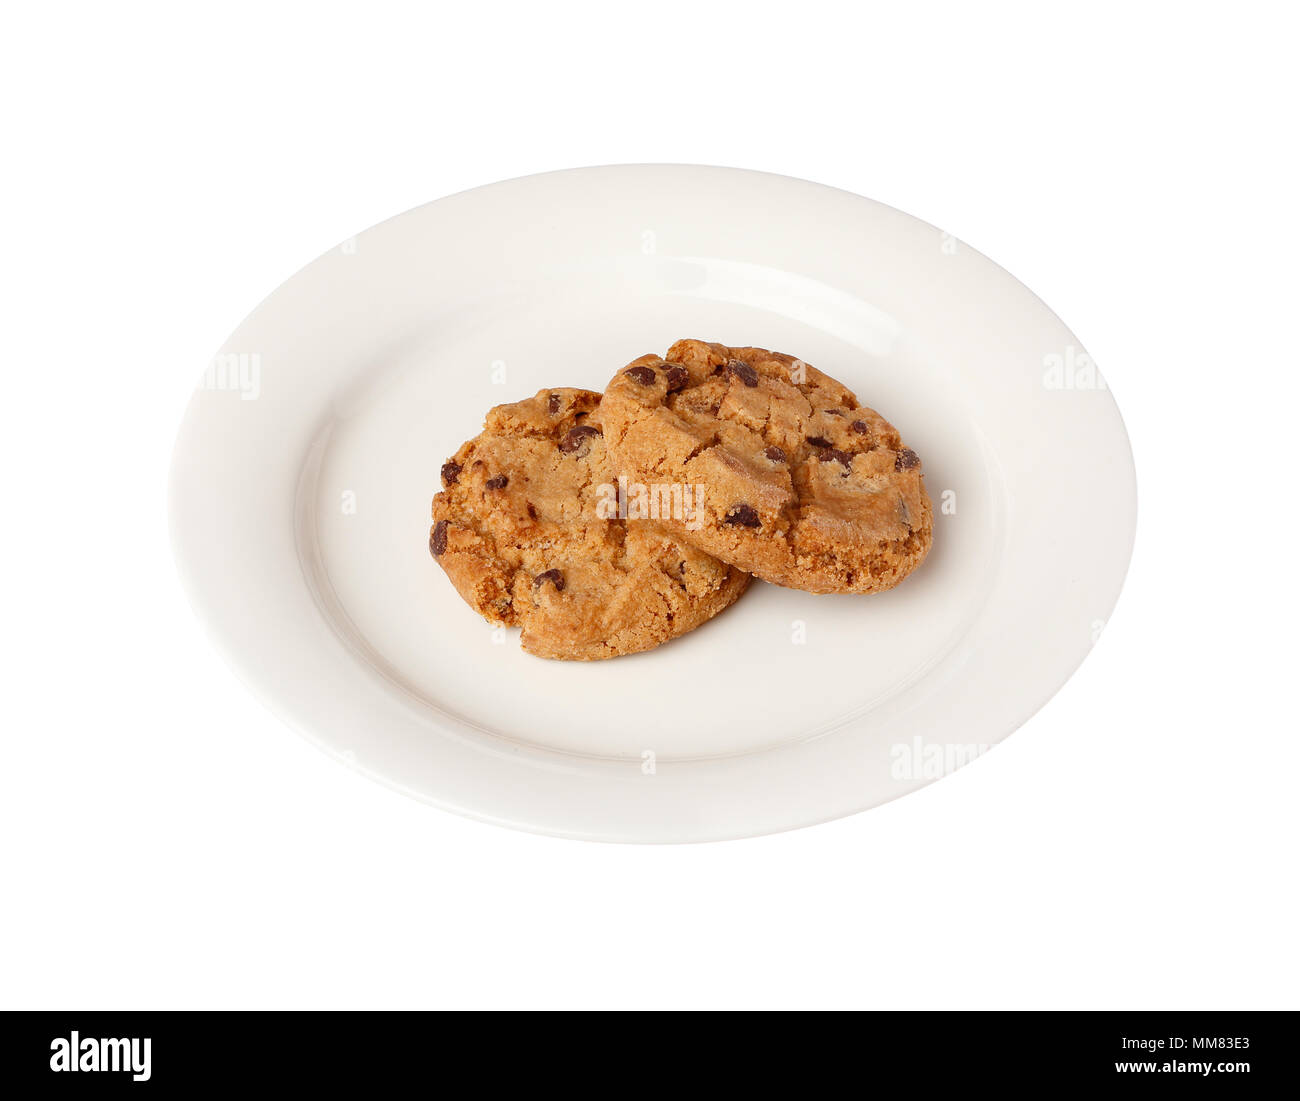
(301, 481)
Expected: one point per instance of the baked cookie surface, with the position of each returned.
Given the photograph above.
(802, 485)
(527, 529)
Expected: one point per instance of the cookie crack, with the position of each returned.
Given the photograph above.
(713, 441)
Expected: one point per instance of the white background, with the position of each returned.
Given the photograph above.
(166, 843)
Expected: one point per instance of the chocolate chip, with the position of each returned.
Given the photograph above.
(438, 538)
(644, 375)
(499, 482)
(677, 376)
(574, 437)
(834, 412)
(860, 427)
(450, 472)
(775, 454)
(907, 459)
(819, 441)
(555, 577)
(532, 512)
(745, 515)
(743, 371)
(838, 456)
(553, 404)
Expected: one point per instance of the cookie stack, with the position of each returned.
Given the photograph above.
(606, 525)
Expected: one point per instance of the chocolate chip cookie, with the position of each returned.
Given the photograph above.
(528, 529)
(802, 485)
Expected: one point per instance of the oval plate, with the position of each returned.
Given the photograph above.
(302, 476)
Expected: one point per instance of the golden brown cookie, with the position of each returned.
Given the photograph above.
(528, 529)
(802, 486)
